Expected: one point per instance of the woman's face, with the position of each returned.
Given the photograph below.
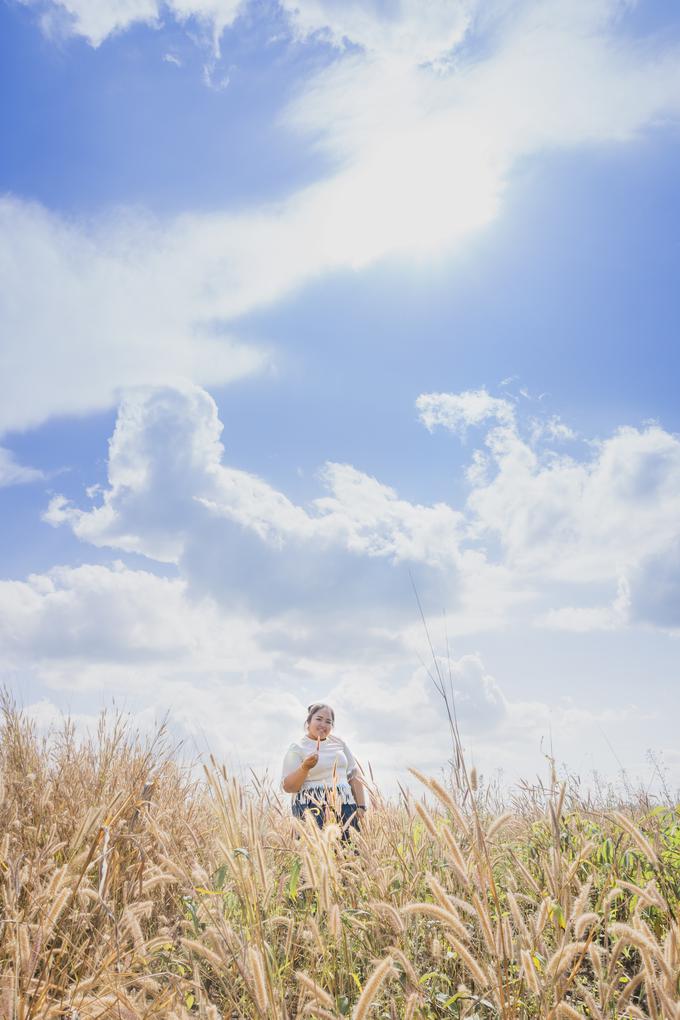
(321, 724)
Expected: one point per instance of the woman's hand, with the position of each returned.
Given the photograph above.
(292, 783)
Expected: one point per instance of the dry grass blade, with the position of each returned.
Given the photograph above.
(634, 937)
(637, 836)
(529, 972)
(563, 1009)
(388, 911)
(256, 966)
(427, 820)
(475, 970)
(444, 798)
(498, 823)
(316, 991)
(562, 957)
(437, 913)
(318, 1012)
(381, 972)
(402, 959)
(411, 1006)
(201, 950)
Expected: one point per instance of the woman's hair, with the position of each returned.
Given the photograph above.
(313, 709)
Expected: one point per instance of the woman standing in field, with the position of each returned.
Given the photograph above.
(321, 773)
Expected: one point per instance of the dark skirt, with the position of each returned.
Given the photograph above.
(322, 811)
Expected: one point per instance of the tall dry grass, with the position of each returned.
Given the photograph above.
(130, 890)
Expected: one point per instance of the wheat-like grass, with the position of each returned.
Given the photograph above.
(637, 836)
(411, 1006)
(311, 1009)
(437, 913)
(256, 966)
(563, 1009)
(380, 973)
(529, 972)
(402, 959)
(390, 912)
(335, 921)
(479, 976)
(498, 823)
(634, 937)
(585, 921)
(200, 949)
(204, 898)
(456, 856)
(315, 990)
(563, 956)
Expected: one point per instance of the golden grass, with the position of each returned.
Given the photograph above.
(130, 890)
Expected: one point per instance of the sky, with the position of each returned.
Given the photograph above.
(317, 313)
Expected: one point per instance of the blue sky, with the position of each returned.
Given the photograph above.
(413, 266)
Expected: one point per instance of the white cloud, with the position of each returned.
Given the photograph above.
(459, 411)
(549, 75)
(581, 619)
(276, 604)
(654, 584)
(85, 635)
(88, 310)
(88, 635)
(85, 312)
(96, 20)
(166, 475)
(607, 515)
(13, 473)
(551, 428)
(581, 520)
(535, 523)
(98, 614)
(422, 159)
(414, 30)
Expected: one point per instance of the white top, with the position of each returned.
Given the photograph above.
(334, 768)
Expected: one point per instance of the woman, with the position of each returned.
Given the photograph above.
(321, 773)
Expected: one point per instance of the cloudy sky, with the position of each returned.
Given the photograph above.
(308, 306)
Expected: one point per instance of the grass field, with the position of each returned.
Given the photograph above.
(130, 889)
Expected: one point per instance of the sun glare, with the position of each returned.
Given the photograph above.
(417, 192)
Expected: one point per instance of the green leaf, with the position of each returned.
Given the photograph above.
(557, 914)
(454, 998)
(220, 876)
(605, 854)
(193, 916)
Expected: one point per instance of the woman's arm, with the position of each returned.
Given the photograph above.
(358, 790)
(355, 781)
(294, 780)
